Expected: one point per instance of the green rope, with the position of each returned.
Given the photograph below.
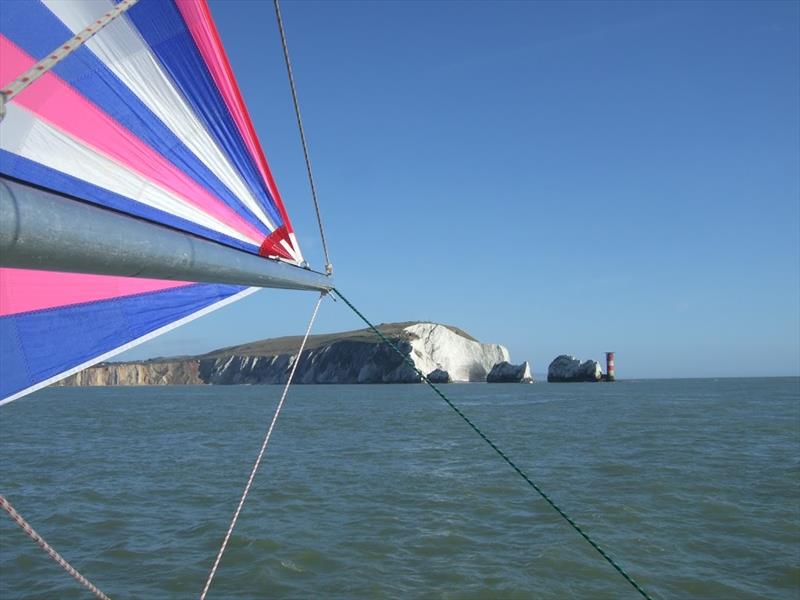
(494, 447)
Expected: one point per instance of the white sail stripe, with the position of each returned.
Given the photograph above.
(288, 247)
(133, 343)
(24, 134)
(298, 255)
(120, 48)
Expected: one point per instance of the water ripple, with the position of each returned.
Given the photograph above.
(381, 492)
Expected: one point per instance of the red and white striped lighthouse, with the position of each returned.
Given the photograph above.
(610, 374)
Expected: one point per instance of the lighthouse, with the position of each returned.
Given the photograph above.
(610, 374)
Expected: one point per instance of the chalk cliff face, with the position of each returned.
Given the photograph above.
(436, 346)
(567, 368)
(138, 373)
(349, 357)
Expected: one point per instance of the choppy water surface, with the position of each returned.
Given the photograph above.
(382, 492)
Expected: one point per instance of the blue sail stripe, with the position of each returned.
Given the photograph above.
(32, 347)
(164, 30)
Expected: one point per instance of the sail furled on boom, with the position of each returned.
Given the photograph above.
(145, 119)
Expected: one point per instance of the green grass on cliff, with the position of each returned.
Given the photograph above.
(290, 344)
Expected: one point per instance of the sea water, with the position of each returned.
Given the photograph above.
(693, 486)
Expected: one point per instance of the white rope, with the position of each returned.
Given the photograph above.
(6, 505)
(62, 52)
(261, 452)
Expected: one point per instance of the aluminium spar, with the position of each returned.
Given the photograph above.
(42, 230)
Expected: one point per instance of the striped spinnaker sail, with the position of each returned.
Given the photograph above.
(144, 119)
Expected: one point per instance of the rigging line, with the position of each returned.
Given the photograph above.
(58, 54)
(494, 447)
(262, 451)
(328, 265)
(19, 520)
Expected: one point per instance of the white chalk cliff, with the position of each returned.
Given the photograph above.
(348, 357)
(436, 346)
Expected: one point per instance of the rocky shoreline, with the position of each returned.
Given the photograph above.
(444, 353)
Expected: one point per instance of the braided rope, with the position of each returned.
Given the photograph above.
(502, 455)
(328, 265)
(19, 520)
(261, 452)
(51, 60)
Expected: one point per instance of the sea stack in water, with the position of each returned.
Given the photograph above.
(567, 368)
(439, 376)
(505, 372)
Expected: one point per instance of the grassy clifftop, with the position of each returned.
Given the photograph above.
(289, 344)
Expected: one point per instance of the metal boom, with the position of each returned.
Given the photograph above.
(46, 231)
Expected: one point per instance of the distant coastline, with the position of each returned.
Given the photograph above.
(347, 357)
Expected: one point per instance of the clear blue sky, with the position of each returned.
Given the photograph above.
(556, 177)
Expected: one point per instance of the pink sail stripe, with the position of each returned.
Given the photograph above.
(56, 102)
(23, 290)
(204, 32)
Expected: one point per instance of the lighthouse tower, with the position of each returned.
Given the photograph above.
(610, 373)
